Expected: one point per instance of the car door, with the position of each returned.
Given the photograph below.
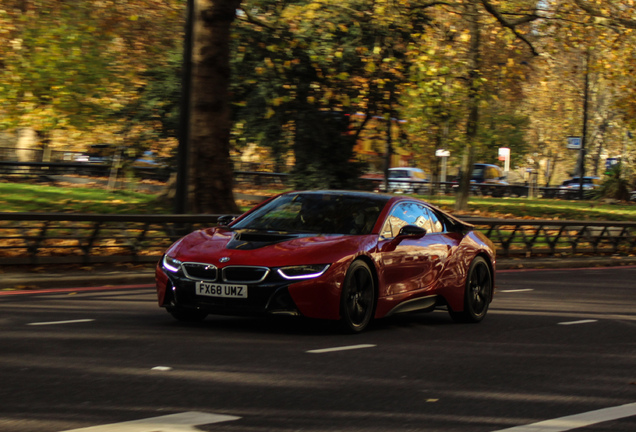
(411, 263)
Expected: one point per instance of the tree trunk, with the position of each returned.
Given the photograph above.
(210, 167)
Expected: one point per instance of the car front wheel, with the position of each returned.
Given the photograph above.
(477, 293)
(357, 303)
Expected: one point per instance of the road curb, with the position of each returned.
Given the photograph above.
(75, 279)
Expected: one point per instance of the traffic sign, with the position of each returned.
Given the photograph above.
(575, 143)
(442, 153)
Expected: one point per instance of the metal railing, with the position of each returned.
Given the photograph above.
(47, 170)
(520, 237)
(48, 238)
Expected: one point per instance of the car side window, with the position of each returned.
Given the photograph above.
(410, 213)
(435, 223)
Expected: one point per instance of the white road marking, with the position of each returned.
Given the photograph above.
(578, 420)
(515, 290)
(60, 322)
(182, 422)
(161, 368)
(342, 348)
(578, 322)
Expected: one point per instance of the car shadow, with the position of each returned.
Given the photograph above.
(309, 327)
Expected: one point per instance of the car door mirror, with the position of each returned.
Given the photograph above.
(225, 220)
(412, 231)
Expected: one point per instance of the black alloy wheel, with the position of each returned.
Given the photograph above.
(478, 293)
(357, 303)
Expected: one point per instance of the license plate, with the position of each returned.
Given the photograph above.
(221, 290)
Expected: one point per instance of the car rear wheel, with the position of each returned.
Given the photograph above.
(187, 315)
(357, 303)
(477, 294)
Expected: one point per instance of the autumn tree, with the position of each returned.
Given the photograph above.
(314, 64)
(470, 31)
(68, 67)
(583, 61)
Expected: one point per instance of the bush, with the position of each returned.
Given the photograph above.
(614, 186)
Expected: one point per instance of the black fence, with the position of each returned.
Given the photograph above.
(41, 238)
(44, 170)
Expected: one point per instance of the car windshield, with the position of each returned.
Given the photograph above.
(478, 172)
(398, 173)
(316, 212)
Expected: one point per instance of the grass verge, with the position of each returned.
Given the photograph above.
(23, 197)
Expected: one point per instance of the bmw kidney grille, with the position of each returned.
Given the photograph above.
(232, 274)
(200, 271)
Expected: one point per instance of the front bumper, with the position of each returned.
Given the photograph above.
(267, 297)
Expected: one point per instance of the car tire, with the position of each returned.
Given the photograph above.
(187, 315)
(477, 293)
(358, 298)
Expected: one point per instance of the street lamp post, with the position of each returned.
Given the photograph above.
(583, 138)
(181, 196)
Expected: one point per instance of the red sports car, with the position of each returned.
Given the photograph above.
(333, 255)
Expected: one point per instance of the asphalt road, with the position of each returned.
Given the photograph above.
(556, 343)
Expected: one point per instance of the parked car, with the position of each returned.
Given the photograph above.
(632, 195)
(408, 180)
(570, 189)
(101, 153)
(151, 166)
(487, 174)
(332, 255)
(486, 179)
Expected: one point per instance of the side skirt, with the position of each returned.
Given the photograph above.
(422, 304)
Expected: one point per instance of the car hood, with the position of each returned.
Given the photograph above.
(271, 249)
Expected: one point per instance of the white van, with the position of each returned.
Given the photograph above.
(408, 180)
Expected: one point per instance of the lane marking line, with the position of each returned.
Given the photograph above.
(342, 348)
(182, 422)
(577, 421)
(578, 322)
(60, 322)
(516, 290)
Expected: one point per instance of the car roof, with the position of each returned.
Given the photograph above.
(406, 168)
(486, 165)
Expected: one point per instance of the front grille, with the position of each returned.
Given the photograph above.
(244, 274)
(200, 271)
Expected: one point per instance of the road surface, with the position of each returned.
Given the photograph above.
(557, 352)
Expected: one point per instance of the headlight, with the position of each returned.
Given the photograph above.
(171, 264)
(303, 271)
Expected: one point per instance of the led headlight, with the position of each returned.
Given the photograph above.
(171, 264)
(303, 271)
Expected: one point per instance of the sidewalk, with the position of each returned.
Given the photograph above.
(78, 276)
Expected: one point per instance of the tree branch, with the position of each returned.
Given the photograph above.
(512, 25)
(593, 11)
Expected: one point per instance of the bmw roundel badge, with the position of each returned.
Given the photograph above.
(224, 259)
